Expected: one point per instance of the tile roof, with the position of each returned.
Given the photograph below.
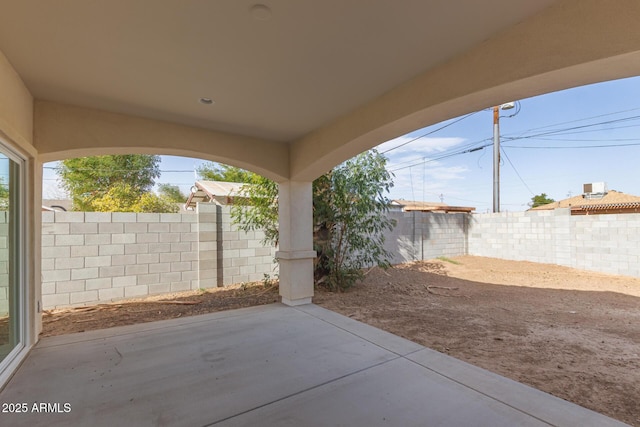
(410, 205)
(611, 200)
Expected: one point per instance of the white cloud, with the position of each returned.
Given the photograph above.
(423, 181)
(428, 182)
(420, 147)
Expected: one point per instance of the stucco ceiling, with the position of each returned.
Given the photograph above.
(309, 63)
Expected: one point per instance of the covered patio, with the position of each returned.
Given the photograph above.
(288, 90)
(271, 365)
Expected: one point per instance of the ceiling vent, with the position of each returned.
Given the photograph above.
(594, 190)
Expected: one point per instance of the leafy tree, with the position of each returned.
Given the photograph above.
(171, 193)
(89, 178)
(124, 198)
(120, 197)
(349, 206)
(220, 172)
(258, 210)
(150, 202)
(540, 199)
(4, 195)
(350, 221)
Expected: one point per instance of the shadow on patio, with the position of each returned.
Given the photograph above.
(268, 365)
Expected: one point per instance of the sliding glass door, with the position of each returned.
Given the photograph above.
(11, 258)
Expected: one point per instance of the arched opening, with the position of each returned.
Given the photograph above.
(100, 249)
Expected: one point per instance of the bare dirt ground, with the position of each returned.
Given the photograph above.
(571, 333)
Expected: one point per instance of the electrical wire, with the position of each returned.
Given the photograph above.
(565, 131)
(446, 152)
(459, 119)
(580, 120)
(511, 139)
(440, 157)
(516, 170)
(568, 147)
(120, 170)
(589, 140)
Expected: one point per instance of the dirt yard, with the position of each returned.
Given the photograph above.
(571, 333)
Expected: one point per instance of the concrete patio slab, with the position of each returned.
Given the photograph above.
(269, 365)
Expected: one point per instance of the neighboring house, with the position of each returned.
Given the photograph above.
(218, 192)
(410, 206)
(595, 200)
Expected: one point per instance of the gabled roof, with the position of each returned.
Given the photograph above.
(206, 191)
(610, 200)
(410, 205)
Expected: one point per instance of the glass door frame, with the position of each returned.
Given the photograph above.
(22, 238)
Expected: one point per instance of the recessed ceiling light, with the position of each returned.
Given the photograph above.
(260, 12)
(206, 101)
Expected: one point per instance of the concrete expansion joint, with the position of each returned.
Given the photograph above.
(477, 390)
(335, 325)
(303, 391)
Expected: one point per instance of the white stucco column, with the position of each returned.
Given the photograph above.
(295, 254)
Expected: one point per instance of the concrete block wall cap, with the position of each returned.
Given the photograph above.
(291, 255)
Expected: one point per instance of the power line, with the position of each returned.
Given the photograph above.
(556, 131)
(122, 170)
(570, 146)
(579, 120)
(589, 140)
(565, 131)
(447, 152)
(441, 157)
(430, 132)
(516, 171)
(167, 182)
(561, 132)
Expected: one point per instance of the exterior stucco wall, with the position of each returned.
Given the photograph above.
(16, 107)
(65, 131)
(16, 131)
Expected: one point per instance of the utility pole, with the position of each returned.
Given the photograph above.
(496, 158)
(496, 152)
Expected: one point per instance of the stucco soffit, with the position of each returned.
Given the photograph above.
(62, 131)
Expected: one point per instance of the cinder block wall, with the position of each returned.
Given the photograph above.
(90, 257)
(422, 235)
(93, 257)
(97, 257)
(240, 256)
(604, 243)
(4, 264)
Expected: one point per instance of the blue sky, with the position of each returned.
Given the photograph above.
(467, 179)
(432, 168)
